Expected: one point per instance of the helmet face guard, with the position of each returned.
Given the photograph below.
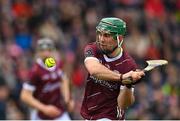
(45, 47)
(45, 44)
(112, 26)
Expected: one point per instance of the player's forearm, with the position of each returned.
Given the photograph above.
(101, 72)
(27, 98)
(107, 75)
(125, 98)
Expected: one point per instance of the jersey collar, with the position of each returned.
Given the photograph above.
(113, 59)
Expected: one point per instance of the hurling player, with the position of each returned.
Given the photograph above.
(106, 97)
(47, 90)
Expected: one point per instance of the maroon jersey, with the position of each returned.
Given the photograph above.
(46, 85)
(100, 98)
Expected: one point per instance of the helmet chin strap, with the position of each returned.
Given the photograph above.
(118, 41)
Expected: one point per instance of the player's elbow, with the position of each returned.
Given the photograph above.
(22, 96)
(25, 95)
(92, 68)
(93, 72)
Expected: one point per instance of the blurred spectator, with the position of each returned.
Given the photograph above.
(21, 8)
(154, 9)
(22, 36)
(4, 93)
(137, 43)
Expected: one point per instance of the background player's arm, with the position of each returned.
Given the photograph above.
(27, 97)
(65, 89)
(96, 69)
(49, 110)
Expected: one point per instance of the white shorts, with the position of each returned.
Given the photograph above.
(64, 116)
(102, 119)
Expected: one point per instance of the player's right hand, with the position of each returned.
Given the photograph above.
(132, 76)
(51, 111)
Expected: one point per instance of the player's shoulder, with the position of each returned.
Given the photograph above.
(130, 60)
(126, 55)
(91, 50)
(91, 45)
(34, 71)
(35, 67)
(59, 63)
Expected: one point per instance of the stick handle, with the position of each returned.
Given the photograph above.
(128, 80)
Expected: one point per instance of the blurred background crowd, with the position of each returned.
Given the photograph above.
(153, 28)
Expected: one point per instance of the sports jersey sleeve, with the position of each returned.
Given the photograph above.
(32, 82)
(132, 64)
(90, 53)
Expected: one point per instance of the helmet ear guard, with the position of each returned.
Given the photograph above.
(118, 41)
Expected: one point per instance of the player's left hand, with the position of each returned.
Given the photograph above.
(139, 80)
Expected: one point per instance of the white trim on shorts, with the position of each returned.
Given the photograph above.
(122, 87)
